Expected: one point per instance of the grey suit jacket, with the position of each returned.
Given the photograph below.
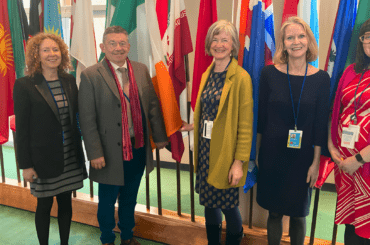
(100, 119)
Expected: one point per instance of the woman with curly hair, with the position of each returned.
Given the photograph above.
(48, 138)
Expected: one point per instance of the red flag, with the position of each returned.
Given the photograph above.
(290, 9)
(7, 73)
(326, 166)
(207, 16)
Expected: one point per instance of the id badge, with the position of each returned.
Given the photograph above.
(207, 129)
(356, 129)
(348, 138)
(295, 139)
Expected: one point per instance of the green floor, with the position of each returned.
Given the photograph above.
(85, 234)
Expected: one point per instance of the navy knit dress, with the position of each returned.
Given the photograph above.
(209, 196)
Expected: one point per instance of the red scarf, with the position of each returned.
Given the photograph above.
(135, 113)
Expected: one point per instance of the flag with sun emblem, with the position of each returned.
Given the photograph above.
(53, 17)
(7, 73)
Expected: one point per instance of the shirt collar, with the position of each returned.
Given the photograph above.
(115, 67)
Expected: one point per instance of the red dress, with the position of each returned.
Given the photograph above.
(353, 204)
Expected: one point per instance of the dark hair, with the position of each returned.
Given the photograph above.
(361, 62)
(114, 29)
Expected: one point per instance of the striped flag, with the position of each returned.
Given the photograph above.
(176, 43)
(36, 24)
(207, 16)
(53, 17)
(341, 37)
(363, 14)
(83, 47)
(255, 22)
(7, 73)
(308, 11)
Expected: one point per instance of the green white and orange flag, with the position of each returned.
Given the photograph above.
(7, 73)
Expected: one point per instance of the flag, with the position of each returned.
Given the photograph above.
(342, 32)
(256, 34)
(251, 176)
(16, 31)
(36, 17)
(326, 166)
(7, 73)
(53, 17)
(110, 8)
(207, 16)
(176, 43)
(24, 22)
(363, 14)
(83, 47)
(308, 11)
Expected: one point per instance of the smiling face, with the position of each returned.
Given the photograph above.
(221, 46)
(50, 55)
(116, 48)
(295, 41)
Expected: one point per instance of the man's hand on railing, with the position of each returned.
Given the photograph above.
(29, 174)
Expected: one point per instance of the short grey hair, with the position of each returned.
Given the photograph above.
(215, 29)
(114, 29)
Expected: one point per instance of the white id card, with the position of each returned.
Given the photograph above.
(207, 129)
(356, 129)
(348, 138)
(295, 139)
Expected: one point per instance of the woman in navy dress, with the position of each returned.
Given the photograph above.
(292, 128)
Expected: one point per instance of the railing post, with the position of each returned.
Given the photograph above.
(2, 164)
(159, 191)
(16, 158)
(178, 188)
(251, 207)
(147, 185)
(314, 216)
(91, 189)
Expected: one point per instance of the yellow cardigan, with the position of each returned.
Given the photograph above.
(232, 128)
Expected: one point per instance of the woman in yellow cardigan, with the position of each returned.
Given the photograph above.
(223, 119)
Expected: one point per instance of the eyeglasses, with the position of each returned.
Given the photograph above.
(365, 38)
(113, 44)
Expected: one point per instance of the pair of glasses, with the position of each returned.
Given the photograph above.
(365, 39)
(115, 44)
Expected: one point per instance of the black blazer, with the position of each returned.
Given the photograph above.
(38, 130)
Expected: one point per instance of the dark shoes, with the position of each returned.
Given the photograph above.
(111, 243)
(234, 239)
(131, 241)
(213, 234)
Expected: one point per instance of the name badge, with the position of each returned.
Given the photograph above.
(356, 129)
(295, 139)
(207, 129)
(348, 138)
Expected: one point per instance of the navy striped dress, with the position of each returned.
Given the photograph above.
(72, 177)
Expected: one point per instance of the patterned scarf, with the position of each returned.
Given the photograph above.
(135, 113)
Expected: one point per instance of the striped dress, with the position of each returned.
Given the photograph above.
(72, 176)
(353, 204)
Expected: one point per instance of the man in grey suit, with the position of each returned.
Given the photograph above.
(119, 110)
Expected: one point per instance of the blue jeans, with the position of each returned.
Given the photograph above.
(133, 171)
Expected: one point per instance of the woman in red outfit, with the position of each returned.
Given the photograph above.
(349, 144)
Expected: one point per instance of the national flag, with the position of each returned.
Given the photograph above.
(207, 16)
(363, 14)
(308, 11)
(36, 17)
(326, 166)
(53, 17)
(110, 8)
(251, 176)
(24, 22)
(342, 32)
(7, 73)
(255, 22)
(176, 43)
(83, 47)
(17, 37)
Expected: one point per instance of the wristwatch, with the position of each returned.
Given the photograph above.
(359, 158)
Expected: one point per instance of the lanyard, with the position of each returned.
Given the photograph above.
(291, 95)
(64, 102)
(357, 102)
(225, 67)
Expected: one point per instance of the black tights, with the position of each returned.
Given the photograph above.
(297, 229)
(351, 238)
(42, 217)
(232, 216)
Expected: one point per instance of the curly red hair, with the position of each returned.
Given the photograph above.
(33, 62)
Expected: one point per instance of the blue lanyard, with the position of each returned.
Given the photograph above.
(64, 102)
(291, 95)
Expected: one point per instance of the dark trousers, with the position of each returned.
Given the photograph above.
(127, 194)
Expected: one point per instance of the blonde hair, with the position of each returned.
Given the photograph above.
(281, 56)
(215, 29)
(33, 61)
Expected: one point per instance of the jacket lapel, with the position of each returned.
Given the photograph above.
(43, 89)
(228, 83)
(109, 78)
(67, 91)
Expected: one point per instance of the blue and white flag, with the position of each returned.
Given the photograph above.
(53, 17)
